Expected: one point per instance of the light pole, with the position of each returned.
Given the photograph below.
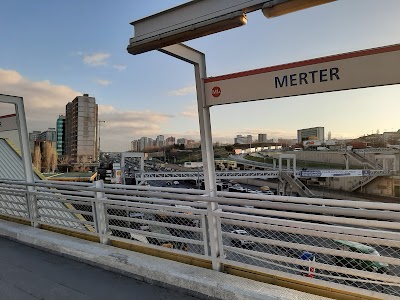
(98, 149)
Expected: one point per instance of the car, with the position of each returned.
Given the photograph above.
(360, 264)
(238, 242)
(176, 182)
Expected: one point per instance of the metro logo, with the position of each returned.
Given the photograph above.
(216, 91)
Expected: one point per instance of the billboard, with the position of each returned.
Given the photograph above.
(361, 69)
(334, 173)
(8, 122)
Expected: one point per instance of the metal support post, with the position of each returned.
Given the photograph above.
(26, 155)
(197, 59)
(100, 214)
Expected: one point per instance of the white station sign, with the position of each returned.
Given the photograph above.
(8, 122)
(361, 69)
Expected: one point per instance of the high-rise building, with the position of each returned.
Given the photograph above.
(33, 137)
(262, 138)
(181, 141)
(81, 120)
(143, 143)
(314, 133)
(160, 141)
(60, 129)
(48, 135)
(170, 141)
(135, 146)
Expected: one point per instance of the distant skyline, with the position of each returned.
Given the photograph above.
(55, 51)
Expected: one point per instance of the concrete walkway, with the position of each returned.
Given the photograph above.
(28, 273)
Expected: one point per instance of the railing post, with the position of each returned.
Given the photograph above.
(32, 205)
(100, 214)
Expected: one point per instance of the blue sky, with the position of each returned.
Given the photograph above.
(52, 51)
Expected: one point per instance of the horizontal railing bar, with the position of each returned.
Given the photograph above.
(315, 264)
(315, 233)
(313, 226)
(163, 224)
(72, 211)
(13, 201)
(153, 200)
(14, 209)
(315, 249)
(87, 194)
(319, 218)
(42, 215)
(69, 201)
(60, 197)
(196, 216)
(316, 201)
(122, 204)
(155, 247)
(59, 226)
(157, 235)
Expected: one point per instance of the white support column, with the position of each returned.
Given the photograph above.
(197, 59)
(100, 214)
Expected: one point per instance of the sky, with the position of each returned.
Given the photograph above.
(52, 51)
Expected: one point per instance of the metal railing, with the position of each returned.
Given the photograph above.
(347, 245)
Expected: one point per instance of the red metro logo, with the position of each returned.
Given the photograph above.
(216, 91)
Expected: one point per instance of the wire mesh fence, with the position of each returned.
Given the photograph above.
(170, 226)
(364, 257)
(13, 201)
(347, 244)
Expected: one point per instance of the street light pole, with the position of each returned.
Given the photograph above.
(98, 148)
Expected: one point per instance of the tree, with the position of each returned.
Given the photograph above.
(37, 156)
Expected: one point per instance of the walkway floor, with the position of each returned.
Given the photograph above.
(28, 273)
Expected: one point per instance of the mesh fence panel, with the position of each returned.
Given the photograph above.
(158, 227)
(361, 261)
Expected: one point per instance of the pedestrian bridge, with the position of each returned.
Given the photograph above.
(352, 247)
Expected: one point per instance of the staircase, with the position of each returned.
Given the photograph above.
(362, 160)
(362, 182)
(297, 185)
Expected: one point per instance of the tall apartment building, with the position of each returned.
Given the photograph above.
(262, 138)
(60, 131)
(81, 120)
(170, 141)
(135, 146)
(305, 134)
(160, 141)
(33, 137)
(181, 141)
(143, 143)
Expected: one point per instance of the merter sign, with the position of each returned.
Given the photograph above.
(361, 69)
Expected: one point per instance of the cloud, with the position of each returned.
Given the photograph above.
(122, 127)
(119, 67)
(45, 101)
(104, 82)
(96, 59)
(183, 91)
(190, 112)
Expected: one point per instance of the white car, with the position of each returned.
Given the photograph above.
(176, 182)
(238, 242)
